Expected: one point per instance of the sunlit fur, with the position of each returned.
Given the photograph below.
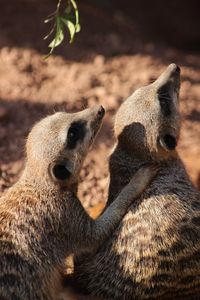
(42, 220)
(155, 251)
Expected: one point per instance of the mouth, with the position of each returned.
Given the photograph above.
(100, 112)
(96, 123)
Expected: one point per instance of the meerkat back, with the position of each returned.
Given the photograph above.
(155, 251)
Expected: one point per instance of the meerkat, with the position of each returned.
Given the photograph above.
(41, 219)
(155, 251)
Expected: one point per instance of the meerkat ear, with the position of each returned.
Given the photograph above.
(61, 172)
(168, 85)
(168, 142)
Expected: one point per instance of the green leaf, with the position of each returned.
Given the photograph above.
(57, 40)
(50, 33)
(77, 25)
(71, 28)
(68, 7)
(69, 19)
(59, 37)
(49, 19)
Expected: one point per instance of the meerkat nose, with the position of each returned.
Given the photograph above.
(101, 111)
(173, 69)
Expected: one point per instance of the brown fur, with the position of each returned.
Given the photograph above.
(41, 219)
(155, 251)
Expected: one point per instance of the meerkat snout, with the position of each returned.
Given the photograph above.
(58, 144)
(100, 111)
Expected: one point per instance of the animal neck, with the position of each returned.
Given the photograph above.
(130, 156)
(125, 163)
(35, 177)
(139, 157)
(49, 219)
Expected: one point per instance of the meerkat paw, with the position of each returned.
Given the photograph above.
(144, 176)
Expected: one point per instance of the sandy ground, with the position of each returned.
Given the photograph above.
(30, 88)
(104, 65)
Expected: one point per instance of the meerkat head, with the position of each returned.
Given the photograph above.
(148, 122)
(57, 145)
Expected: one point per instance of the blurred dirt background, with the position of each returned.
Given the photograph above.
(121, 46)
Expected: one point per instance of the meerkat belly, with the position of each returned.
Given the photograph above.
(154, 253)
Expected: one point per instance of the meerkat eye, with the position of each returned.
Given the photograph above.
(165, 99)
(72, 133)
(76, 133)
(72, 137)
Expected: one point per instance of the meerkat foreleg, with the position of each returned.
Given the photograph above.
(96, 231)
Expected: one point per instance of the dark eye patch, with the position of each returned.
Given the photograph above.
(76, 133)
(165, 99)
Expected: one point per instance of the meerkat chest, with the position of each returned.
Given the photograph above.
(121, 171)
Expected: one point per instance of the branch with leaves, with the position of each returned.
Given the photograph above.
(68, 19)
